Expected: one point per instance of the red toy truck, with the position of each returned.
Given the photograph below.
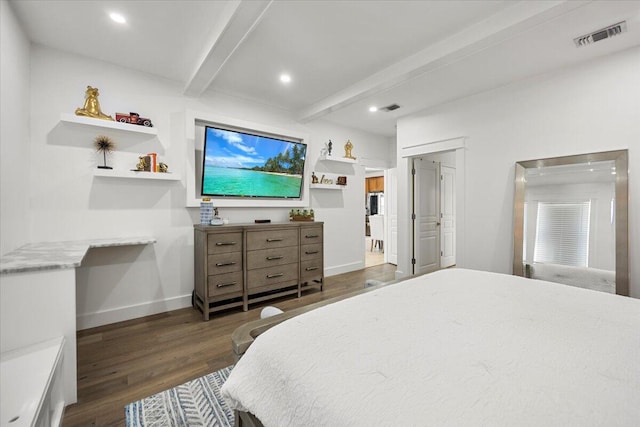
(134, 119)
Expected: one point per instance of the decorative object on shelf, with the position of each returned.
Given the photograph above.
(347, 150)
(91, 106)
(163, 167)
(206, 211)
(329, 147)
(314, 178)
(301, 215)
(216, 220)
(134, 119)
(153, 162)
(105, 145)
(342, 180)
(324, 180)
(144, 164)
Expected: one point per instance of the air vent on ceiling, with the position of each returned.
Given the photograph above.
(390, 107)
(605, 33)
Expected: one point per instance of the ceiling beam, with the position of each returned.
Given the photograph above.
(236, 22)
(521, 17)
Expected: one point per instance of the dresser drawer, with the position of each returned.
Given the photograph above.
(310, 235)
(279, 274)
(223, 284)
(270, 257)
(220, 243)
(308, 252)
(224, 263)
(266, 239)
(311, 269)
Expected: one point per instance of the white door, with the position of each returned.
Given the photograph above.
(426, 205)
(391, 216)
(447, 216)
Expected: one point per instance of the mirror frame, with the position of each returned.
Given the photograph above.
(621, 159)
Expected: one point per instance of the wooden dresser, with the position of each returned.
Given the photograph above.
(236, 265)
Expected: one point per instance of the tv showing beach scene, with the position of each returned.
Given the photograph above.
(240, 164)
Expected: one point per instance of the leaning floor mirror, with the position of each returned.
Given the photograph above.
(571, 220)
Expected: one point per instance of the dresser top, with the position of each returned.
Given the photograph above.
(239, 227)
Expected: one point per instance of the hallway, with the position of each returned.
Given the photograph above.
(372, 258)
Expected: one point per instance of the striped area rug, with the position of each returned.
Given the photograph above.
(194, 403)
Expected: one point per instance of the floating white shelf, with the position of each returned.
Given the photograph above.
(118, 173)
(327, 186)
(107, 124)
(337, 159)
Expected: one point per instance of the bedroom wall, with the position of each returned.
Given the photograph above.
(587, 108)
(14, 131)
(69, 203)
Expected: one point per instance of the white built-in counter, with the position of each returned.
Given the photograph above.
(38, 302)
(31, 386)
(59, 255)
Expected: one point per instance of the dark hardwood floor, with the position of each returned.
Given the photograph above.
(127, 361)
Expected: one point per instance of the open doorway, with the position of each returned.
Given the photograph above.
(381, 216)
(374, 207)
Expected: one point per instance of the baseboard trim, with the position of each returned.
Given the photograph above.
(120, 314)
(99, 318)
(344, 268)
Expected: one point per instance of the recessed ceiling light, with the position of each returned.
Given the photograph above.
(373, 109)
(116, 17)
(285, 78)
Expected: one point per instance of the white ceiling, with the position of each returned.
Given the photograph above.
(343, 56)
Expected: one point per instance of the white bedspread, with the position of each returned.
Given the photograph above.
(457, 348)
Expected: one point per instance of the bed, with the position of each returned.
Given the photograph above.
(455, 347)
(583, 277)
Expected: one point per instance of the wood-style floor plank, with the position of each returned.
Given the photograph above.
(127, 361)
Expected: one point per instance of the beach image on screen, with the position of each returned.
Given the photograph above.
(245, 165)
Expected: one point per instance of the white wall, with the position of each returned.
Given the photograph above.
(68, 203)
(446, 158)
(14, 131)
(343, 211)
(588, 108)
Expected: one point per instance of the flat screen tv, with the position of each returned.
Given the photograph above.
(244, 165)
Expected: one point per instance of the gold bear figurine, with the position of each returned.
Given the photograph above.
(92, 105)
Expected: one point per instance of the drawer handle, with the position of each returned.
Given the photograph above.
(224, 264)
(225, 243)
(311, 268)
(311, 252)
(274, 240)
(272, 276)
(311, 236)
(224, 285)
(271, 258)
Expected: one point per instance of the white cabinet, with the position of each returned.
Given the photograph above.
(32, 385)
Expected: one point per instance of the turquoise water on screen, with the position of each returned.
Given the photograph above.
(248, 183)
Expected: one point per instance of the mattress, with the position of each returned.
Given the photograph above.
(455, 347)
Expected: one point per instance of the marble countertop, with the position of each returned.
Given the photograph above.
(59, 255)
